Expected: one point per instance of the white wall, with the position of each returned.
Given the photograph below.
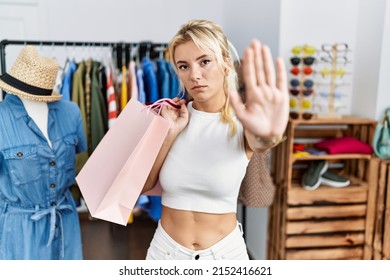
(248, 19)
(383, 99)
(372, 51)
(127, 20)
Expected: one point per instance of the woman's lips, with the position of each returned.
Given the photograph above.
(198, 87)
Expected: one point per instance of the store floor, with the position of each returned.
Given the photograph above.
(107, 241)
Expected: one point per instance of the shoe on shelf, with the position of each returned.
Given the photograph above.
(311, 179)
(334, 180)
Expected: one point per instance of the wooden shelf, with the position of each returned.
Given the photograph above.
(344, 120)
(329, 222)
(331, 157)
(354, 193)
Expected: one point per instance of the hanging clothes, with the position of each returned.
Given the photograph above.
(132, 81)
(163, 78)
(66, 84)
(140, 84)
(150, 80)
(112, 113)
(124, 94)
(87, 88)
(174, 82)
(78, 97)
(98, 106)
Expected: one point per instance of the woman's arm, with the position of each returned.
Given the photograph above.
(178, 121)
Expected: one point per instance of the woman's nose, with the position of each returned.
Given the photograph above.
(195, 74)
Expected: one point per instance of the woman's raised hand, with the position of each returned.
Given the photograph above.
(266, 110)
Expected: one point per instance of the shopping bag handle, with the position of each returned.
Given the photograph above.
(158, 105)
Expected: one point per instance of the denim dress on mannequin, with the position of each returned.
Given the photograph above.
(38, 215)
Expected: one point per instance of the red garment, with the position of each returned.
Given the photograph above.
(111, 99)
(344, 145)
(298, 147)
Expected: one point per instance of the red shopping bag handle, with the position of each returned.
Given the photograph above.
(163, 101)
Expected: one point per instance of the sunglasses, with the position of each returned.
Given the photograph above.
(336, 84)
(337, 107)
(293, 103)
(305, 115)
(295, 70)
(336, 94)
(309, 60)
(339, 47)
(340, 72)
(306, 49)
(307, 83)
(304, 103)
(305, 92)
(339, 59)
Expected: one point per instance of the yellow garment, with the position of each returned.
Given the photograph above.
(130, 218)
(301, 154)
(124, 97)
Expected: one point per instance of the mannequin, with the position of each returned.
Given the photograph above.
(40, 135)
(39, 112)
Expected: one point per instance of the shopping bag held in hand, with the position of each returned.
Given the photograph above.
(115, 173)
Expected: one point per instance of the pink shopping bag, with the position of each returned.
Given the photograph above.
(114, 175)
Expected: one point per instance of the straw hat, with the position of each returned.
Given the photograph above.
(32, 76)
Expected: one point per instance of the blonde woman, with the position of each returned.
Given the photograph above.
(211, 139)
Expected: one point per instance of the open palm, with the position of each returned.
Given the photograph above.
(265, 112)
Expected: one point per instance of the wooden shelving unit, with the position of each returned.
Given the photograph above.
(326, 223)
(381, 238)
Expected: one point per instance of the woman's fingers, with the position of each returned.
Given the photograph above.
(236, 102)
(248, 69)
(259, 70)
(268, 66)
(258, 61)
(281, 76)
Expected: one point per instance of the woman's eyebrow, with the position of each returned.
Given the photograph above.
(198, 58)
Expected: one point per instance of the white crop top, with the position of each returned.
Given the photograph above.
(205, 166)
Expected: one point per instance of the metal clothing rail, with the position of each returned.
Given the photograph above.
(151, 49)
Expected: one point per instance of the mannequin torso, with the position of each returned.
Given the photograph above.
(39, 112)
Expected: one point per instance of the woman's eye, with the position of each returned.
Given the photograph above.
(182, 67)
(206, 61)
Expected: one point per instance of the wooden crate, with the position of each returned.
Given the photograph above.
(327, 223)
(381, 236)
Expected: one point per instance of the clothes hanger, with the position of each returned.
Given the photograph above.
(123, 55)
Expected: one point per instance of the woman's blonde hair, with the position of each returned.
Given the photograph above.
(210, 38)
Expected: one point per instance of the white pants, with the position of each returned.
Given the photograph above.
(231, 247)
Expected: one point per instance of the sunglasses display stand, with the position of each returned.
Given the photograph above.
(334, 59)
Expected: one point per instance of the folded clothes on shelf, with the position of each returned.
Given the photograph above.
(344, 145)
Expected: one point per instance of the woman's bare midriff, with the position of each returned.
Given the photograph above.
(197, 230)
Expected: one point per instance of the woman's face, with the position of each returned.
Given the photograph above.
(200, 74)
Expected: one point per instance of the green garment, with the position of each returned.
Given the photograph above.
(78, 96)
(99, 120)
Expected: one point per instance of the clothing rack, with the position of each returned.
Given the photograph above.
(151, 49)
(121, 50)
